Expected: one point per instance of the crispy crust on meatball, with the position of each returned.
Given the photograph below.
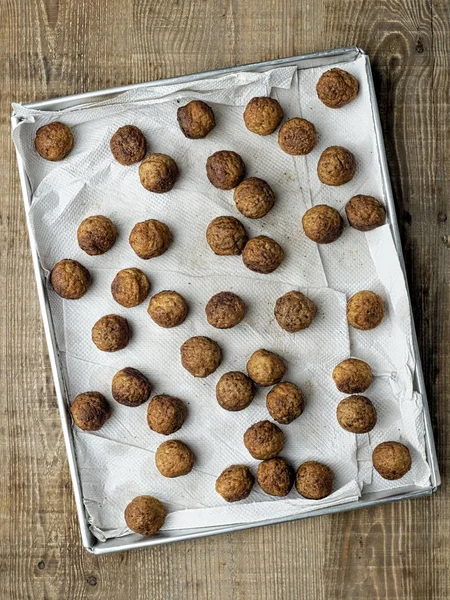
(196, 119)
(235, 483)
(70, 279)
(285, 402)
(322, 224)
(265, 368)
(336, 166)
(130, 287)
(294, 311)
(314, 480)
(166, 414)
(263, 115)
(365, 212)
(262, 254)
(111, 333)
(392, 460)
(226, 236)
(128, 145)
(96, 235)
(150, 238)
(352, 376)
(235, 391)
(225, 169)
(90, 411)
(167, 309)
(158, 173)
(145, 515)
(275, 477)
(200, 356)
(336, 88)
(356, 414)
(225, 310)
(264, 440)
(54, 141)
(365, 310)
(174, 459)
(130, 387)
(297, 137)
(254, 198)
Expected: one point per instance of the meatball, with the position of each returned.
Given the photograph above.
(70, 279)
(174, 459)
(356, 414)
(235, 391)
(254, 198)
(297, 137)
(54, 141)
(166, 414)
(365, 310)
(90, 411)
(265, 368)
(264, 440)
(167, 309)
(336, 88)
(262, 254)
(158, 173)
(352, 376)
(235, 483)
(196, 119)
(130, 287)
(314, 480)
(263, 115)
(225, 169)
(226, 236)
(285, 402)
(200, 356)
(294, 311)
(365, 212)
(130, 387)
(150, 239)
(225, 310)
(322, 224)
(275, 477)
(128, 145)
(96, 235)
(145, 515)
(336, 166)
(111, 333)
(392, 460)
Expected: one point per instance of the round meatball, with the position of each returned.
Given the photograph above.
(128, 145)
(54, 141)
(225, 310)
(226, 236)
(174, 459)
(166, 414)
(111, 333)
(265, 368)
(196, 119)
(225, 169)
(90, 411)
(392, 460)
(336, 166)
(130, 387)
(145, 515)
(264, 440)
(275, 477)
(365, 310)
(167, 309)
(150, 239)
(365, 212)
(285, 402)
(235, 391)
(96, 235)
(158, 173)
(262, 254)
(352, 376)
(70, 279)
(263, 115)
(294, 311)
(254, 198)
(200, 356)
(336, 88)
(297, 137)
(130, 287)
(235, 483)
(322, 224)
(314, 480)
(356, 414)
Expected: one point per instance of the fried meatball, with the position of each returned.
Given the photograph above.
(336, 88)
(264, 440)
(285, 402)
(145, 515)
(322, 224)
(314, 480)
(225, 310)
(96, 235)
(262, 254)
(297, 137)
(336, 166)
(226, 236)
(365, 310)
(356, 414)
(352, 376)
(150, 239)
(111, 333)
(225, 169)
(167, 309)
(263, 115)
(90, 411)
(294, 311)
(166, 414)
(70, 279)
(130, 287)
(196, 119)
(200, 356)
(174, 459)
(254, 198)
(130, 387)
(265, 368)
(54, 141)
(235, 483)
(158, 173)
(275, 477)
(128, 145)
(365, 212)
(392, 460)
(235, 391)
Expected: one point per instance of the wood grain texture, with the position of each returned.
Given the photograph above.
(58, 47)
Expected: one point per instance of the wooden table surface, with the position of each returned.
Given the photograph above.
(57, 47)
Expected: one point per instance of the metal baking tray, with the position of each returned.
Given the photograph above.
(93, 545)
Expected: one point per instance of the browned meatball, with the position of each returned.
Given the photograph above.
(275, 477)
(356, 414)
(167, 309)
(54, 141)
(294, 311)
(225, 169)
(235, 391)
(158, 173)
(225, 310)
(166, 414)
(145, 515)
(297, 137)
(365, 212)
(235, 483)
(130, 287)
(174, 459)
(96, 235)
(336, 166)
(200, 356)
(265, 368)
(226, 236)
(196, 119)
(111, 333)
(254, 198)
(336, 88)
(322, 224)
(128, 145)
(314, 480)
(264, 440)
(263, 115)
(365, 310)
(70, 279)
(130, 387)
(262, 254)
(150, 239)
(90, 411)
(285, 402)
(352, 376)
(392, 460)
